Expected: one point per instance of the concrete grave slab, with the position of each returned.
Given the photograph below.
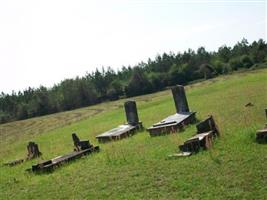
(50, 165)
(177, 121)
(122, 131)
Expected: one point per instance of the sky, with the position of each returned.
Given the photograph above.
(45, 42)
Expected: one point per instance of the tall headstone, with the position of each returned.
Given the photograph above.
(180, 100)
(131, 112)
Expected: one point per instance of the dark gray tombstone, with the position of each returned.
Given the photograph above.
(180, 100)
(131, 112)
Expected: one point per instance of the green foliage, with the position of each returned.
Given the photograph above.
(207, 71)
(176, 75)
(154, 75)
(5, 117)
(138, 84)
(246, 61)
(235, 63)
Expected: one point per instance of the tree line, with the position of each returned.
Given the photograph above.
(154, 75)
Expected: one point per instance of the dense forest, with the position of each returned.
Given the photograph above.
(101, 85)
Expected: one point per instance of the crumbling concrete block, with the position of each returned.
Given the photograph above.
(207, 131)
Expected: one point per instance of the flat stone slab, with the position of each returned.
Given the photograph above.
(118, 133)
(199, 137)
(173, 119)
(49, 165)
(172, 123)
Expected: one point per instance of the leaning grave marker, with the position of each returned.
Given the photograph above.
(122, 131)
(175, 122)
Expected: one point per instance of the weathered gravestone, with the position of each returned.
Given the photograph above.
(207, 130)
(81, 148)
(131, 113)
(80, 145)
(122, 131)
(180, 99)
(261, 135)
(175, 122)
(33, 152)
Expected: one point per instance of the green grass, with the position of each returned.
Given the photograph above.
(137, 167)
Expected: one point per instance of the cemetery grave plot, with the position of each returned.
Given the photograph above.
(177, 121)
(207, 131)
(122, 131)
(81, 148)
(33, 152)
(261, 135)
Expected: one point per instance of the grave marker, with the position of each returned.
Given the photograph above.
(175, 122)
(81, 148)
(78, 144)
(131, 112)
(33, 152)
(122, 131)
(180, 99)
(207, 131)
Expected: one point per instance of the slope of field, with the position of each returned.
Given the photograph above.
(137, 167)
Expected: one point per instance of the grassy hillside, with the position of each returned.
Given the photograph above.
(136, 167)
